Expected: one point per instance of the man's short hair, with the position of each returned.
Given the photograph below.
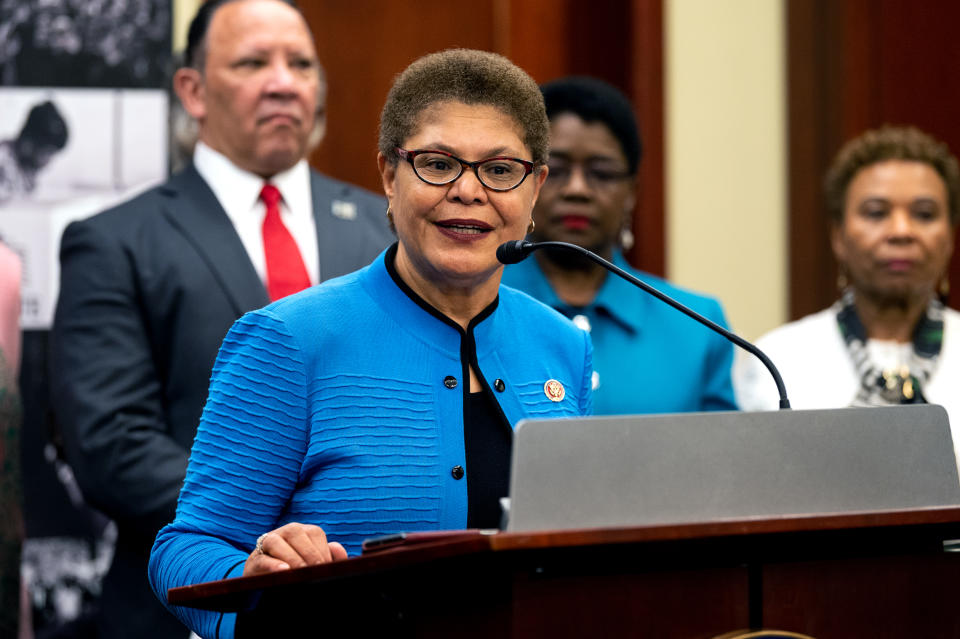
(195, 55)
(890, 143)
(594, 100)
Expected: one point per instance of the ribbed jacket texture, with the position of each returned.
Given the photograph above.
(335, 407)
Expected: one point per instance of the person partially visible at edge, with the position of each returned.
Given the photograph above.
(648, 357)
(12, 623)
(892, 194)
(149, 288)
(421, 358)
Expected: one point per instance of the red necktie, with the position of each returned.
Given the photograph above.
(286, 273)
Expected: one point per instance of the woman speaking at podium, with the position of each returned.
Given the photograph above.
(384, 401)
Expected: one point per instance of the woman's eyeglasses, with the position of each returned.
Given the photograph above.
(597, 176)
(439, 168)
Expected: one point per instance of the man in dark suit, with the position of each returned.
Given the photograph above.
(149, 288)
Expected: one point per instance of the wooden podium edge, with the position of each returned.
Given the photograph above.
(240, 593)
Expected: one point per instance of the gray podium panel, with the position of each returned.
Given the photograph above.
(695, 467)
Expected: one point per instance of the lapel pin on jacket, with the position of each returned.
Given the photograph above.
(554, 390)
(344, 210)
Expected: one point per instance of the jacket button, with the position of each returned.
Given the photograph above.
(450, 381)
(499, 385)
(457, 471)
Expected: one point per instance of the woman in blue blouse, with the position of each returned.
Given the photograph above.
(384, 401)
(588, 199)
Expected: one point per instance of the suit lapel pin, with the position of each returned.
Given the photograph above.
(344, 210)
(554, 390)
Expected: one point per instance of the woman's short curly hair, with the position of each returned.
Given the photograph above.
(471, 77)
(890, 143)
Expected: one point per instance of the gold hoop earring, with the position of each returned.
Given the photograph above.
(943, 288)
(532, 226)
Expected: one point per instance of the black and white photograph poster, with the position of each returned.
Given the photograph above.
(67, 154)
(84, 124)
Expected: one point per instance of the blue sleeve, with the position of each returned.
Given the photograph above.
(243, 468)
(718, 383)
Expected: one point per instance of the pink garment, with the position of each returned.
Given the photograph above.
(10, 307)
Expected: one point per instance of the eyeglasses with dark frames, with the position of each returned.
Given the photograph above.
(597, 176)
(439, 168)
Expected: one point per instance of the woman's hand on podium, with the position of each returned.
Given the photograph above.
(292, 546)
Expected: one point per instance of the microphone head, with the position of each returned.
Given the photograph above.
(513, 252)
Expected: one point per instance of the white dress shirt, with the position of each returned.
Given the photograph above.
(239, 194)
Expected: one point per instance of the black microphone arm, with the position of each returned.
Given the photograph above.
(517, 251)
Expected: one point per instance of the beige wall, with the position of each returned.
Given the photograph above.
(726, 155)
(183, 11)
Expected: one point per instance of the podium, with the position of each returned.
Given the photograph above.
(883, 574)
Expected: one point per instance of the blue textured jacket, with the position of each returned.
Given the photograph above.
(648, 357)
(338, 407)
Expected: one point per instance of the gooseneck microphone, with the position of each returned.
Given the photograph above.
(517, 251)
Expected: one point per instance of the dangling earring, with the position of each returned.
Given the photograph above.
(842, 281)
(626, 238)
(943, 288)
(532, 226)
